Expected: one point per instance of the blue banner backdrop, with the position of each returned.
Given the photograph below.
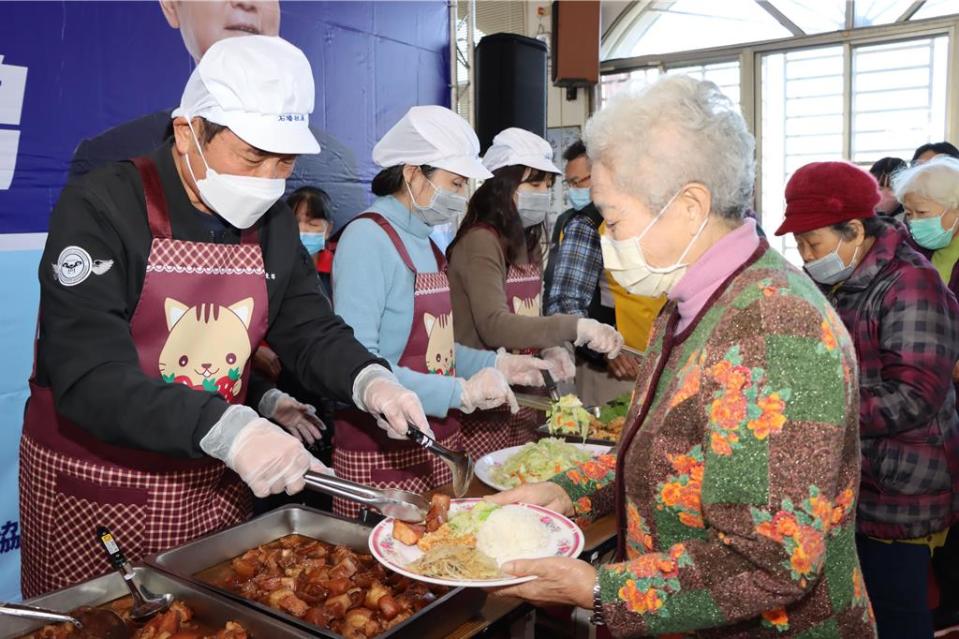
(71, 70)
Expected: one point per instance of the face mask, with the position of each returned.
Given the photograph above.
(239, 199)
(532, 207)
(444, 207)
(579, 198)
(314, 242)
(624, 259)
(829, 269)
(928, 232)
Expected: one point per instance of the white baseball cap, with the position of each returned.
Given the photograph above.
(432, 135)
(518, 146)
(260, 87)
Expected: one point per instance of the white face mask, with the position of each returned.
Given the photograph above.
(624, 259)
(444, 207)
(239, 199)
(532, 207)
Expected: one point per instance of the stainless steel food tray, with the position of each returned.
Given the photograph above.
(209, 608)
(436, 620)
(543, 431)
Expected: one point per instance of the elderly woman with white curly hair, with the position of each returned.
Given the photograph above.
(930, 196)
(736, 477)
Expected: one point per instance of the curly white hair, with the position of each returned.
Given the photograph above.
(672, 133)
(937, 179)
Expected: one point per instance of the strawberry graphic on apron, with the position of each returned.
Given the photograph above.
(207, 346)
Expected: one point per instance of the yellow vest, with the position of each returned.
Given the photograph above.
(635, 314)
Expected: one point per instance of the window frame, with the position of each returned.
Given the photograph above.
(750, 71)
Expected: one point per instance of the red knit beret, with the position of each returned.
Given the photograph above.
(825, 193)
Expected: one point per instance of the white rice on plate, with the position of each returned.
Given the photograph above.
(513, 532)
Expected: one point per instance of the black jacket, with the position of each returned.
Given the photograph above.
(86, 354)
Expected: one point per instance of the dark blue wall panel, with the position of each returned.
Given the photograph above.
(93, 65)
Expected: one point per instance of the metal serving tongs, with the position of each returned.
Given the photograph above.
(459, 462)
(392, 502)
(538, 402)
(145, 603)
(92, 623)
(552, 388)
(39, 614)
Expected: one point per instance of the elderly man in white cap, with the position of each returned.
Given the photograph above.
(496, 280)
(159, 276)
(389, 284)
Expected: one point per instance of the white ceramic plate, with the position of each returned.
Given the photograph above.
(565, 540)
(488, 463)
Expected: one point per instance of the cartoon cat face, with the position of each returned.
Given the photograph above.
(208, 345)
(527, 307)
(439, 351)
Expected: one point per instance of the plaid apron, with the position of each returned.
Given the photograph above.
(491, 430)
(362, 452)
(196, 297)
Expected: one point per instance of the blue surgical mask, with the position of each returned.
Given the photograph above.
(579, 198)
(830, 269)
(929, 234)
(314, 242)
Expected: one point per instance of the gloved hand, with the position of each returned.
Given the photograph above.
(522, 370)
(267, 459)
(298, 419)
(377, 391)
(599, 337)
(561, 363)
(487, 389)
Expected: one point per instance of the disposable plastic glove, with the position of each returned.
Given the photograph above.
(598, 337)
(561, 362)
(265, 457)
(377, 391)
(297, 418)
(522, 370)
(487, 389)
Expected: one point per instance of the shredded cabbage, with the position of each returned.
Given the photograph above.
(468, 522)
(567, 416)
(539, 462)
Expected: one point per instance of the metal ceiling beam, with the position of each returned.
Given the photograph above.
(780, 17)
(911, 11)
(911, 29)
(632, 23)
(627, 10)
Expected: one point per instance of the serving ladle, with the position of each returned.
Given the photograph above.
(145, 603)
(460, 463)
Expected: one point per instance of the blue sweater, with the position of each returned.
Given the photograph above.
(373, 293)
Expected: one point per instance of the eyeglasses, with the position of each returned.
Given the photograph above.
(576, 182)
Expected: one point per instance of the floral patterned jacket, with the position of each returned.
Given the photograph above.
(736, 478)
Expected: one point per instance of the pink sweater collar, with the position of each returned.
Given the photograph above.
(712, 269)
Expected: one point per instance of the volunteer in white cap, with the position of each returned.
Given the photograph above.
(159, 276)
(495, 275)
(389, 284)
